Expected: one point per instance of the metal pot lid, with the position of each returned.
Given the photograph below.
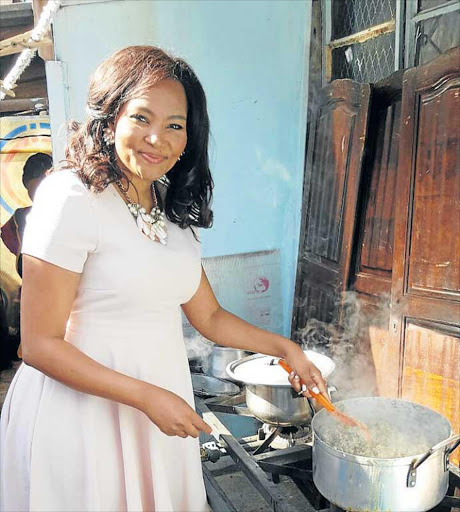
(207, 386)
(265, 370)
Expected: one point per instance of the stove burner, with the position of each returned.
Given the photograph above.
(296, 433)
(279, 438)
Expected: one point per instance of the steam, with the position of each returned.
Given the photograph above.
(198, 347)
(349, 346)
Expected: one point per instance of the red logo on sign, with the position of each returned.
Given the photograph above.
(261, 284)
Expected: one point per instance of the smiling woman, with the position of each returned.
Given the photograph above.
(149, 135)
(147, 117)
(101, 415)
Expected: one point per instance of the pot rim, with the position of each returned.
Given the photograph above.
(252, 382)
(374, 461)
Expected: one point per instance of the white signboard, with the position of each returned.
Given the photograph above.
(248, 285)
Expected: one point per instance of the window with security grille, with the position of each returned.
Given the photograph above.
(367, 40)
(362, 39)
(429, 4)
(431, 28)
(352, 16)
(365, 62)
(437, 35)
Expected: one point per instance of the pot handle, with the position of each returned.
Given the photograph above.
(453, 440)
(455, 445)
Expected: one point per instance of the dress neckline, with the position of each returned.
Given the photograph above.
(114, 191)
(122, 201)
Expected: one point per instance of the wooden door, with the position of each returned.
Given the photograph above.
(332, 177)
(425, 299)
(373, 254)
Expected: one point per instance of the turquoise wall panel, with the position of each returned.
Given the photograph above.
(252, 58)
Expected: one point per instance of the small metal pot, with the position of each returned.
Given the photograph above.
(277, 403)
(218, 359)
(362, 484)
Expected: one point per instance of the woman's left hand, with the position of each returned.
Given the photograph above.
(306, 372)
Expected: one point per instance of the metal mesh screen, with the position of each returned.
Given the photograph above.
(351, 16)
(365, 62)
(436, 35)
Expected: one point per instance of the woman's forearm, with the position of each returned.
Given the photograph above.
(65, 363)
(220, 326)
(226, 329)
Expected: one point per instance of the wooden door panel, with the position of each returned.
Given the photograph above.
(377, 239)
(373, 258)
(434, 261)
(431, 368)
(328, 188)
(317, 303)
(374, 250)
(426, 270)
(425, 306)
(332, 177)
(384, 354)
(385, 357)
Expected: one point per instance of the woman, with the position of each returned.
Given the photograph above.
(101, 415)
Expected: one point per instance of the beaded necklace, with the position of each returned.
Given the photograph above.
(152, 224)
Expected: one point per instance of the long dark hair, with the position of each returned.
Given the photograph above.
(124, 75)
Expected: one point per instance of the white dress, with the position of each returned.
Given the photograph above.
(62, 450)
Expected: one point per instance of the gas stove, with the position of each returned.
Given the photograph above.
(271, 453)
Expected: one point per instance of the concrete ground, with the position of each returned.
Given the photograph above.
(245, 497)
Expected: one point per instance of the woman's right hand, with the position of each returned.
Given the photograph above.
(172, 414)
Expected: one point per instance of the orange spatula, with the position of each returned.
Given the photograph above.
(347, 420)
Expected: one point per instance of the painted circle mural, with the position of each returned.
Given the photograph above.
(20, 137)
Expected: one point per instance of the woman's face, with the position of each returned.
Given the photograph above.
(150, 131)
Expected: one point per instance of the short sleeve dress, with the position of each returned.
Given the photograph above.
(63, 450)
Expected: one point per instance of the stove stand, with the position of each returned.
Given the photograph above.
(263, 468)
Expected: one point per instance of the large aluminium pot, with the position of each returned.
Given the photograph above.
(269, 396)
(414, 483)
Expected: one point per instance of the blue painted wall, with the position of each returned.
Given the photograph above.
(251, 57)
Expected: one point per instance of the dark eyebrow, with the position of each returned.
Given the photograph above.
(148, 111)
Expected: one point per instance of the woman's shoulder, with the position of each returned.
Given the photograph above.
(66, 180)
(62, 227)
(62, 187)
(63, 192)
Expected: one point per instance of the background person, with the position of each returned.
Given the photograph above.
(12, 231)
